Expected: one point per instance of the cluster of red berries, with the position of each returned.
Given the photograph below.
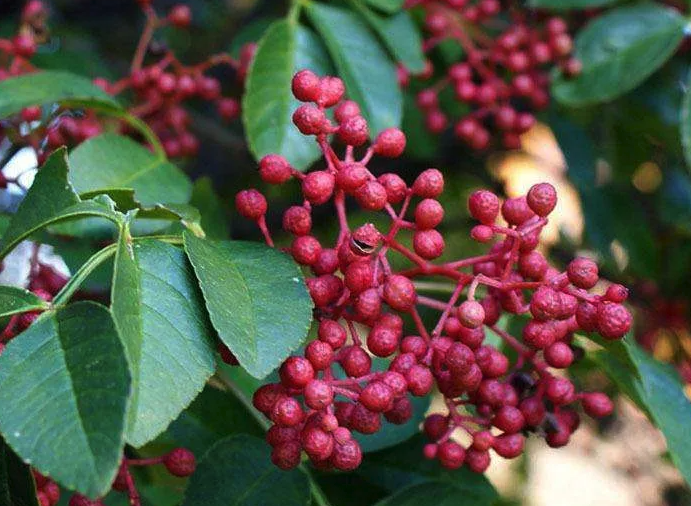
(364, 308)
(504, 73)
(47, 491)
(159, 90)
(45, 282)
(179, 462)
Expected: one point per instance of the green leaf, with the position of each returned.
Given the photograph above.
(17, 487)
(160, 316)
(268, 104)
(256, 298)
(402, 465)
(64, 385)
(214, 221)
(437, 493)
(685, 123)
(15, 300)
(237, 470)
(388, 6)
(113, 161)
(559, 5)
(619, 50)
(399, 34)
(368, 73)
(659, 391)
(52, 199)
(213, 415)
(48, 87)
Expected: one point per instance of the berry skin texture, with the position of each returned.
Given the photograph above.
(429, 184)
(429, 244)
(597, 404)
(542, 199)
(346, 456)
(613, 321)
(354, 131)
(297, 220)
(296, 372)
(275, 169)
(450, 454)
(471, 314)
(180, 462)
(310, 120)
(318, 186)
(484, 206)
(377, 397)
(305, 86)
(429, 213)
(251, 204)
(583, 273)
(399, 293)
(390, 143)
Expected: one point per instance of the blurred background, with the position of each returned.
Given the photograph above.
(634, 216)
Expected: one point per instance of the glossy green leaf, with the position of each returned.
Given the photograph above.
(237, 470)
(213, 415)
(437, 493)
(17, 487)
(659, 391)
(619, 50)
(402, 465)
(51, 199)
(64, 385)
(268, 103)
(388, 6)
(214, 221)
(399, 34)
(15, 300)
(368, 73)
(48, 87)
(114, 161)
(256, 298)
(558, 5)
(160, 316)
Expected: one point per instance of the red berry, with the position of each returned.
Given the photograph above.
(471, 314)
(482, 233)
(320, 354)
(509, 446)
(477, 461)
(559, 355)
(251, 204)
(542, 199)
(390, 143)
(429, 244)
(597, 404)
(399, 293)
(310, 120)
(297, 220)
(24, 45)
(420, 380)
(274, 169)
(560, 391)
(317, 443)
(306, 86)
(429, 184)
(286, 456)
(332, 90)
(332, 333)
(318, 186)
(356, 362)
(395, 187)
(383, 341)
(287, 412)
(305, 249)
(180, 16)
(352, 176)
(613, 320)
(484, 206)
(450, 454)
(516, 211)
(583, 273)
(354, 131)
(616, 293)
(428, 214)
(509, 419)
(318, 394)
(346, 456)
(377, 397)
(346, 110)
(180, 462)
(372, 196)
(296, 372)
